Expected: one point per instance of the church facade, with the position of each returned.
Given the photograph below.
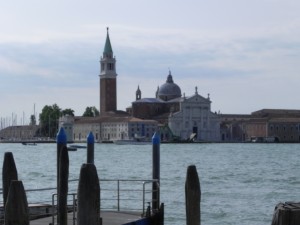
(195, 118)
(179, 117)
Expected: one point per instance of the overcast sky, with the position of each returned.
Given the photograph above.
(245, 54)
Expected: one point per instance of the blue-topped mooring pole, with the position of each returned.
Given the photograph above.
(90, 140)
(61, 141)
(155, 170)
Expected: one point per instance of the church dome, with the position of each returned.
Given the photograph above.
(169, 90)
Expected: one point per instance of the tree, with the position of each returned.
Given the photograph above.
(91, 112)
(32, 120)
(69, 112)
(49, 120)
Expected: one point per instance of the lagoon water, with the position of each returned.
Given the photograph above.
(240, 183)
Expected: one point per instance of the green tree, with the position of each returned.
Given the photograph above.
(49, 120)
(91, 112)
(32, 120)
(69, 112)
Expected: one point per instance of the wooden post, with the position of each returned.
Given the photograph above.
(61, 141)
(155, 170)
(192, 197)
(287, 214)
(16, 210)
(9, 173)
(88, 196)
(62, 215)
(90, 147)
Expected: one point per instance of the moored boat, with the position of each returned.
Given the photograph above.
(131, 142)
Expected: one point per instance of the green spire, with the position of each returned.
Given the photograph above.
(107, 48)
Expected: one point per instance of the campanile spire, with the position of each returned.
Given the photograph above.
(108, 78)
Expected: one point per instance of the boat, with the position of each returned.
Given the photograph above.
(137, 140)
(72, 149)
(77, 146)
(131, 142)
(28, 143)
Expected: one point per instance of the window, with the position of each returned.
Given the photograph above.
(110, 66)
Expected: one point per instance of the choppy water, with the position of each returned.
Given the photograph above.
(240, 183)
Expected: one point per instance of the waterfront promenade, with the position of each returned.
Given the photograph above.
(108, 218)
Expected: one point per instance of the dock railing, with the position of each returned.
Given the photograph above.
(116, 195)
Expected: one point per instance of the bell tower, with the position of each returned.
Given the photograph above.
(138, 94)
(108, 79)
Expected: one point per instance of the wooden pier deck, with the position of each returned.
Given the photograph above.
(108, 218)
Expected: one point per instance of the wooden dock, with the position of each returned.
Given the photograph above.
(108, 218)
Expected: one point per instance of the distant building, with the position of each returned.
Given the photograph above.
(184, 116)
(195, 117)
(279, 125)
(146, 115)
(166, 99)
(112, 124)
(19, 133)
(67, 122)
(113, 127)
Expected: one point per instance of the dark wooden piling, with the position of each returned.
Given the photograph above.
(62, 197)
(9, 173)
(88, 212)
(155, 171)
(192, 197)
(287, 214)
(61, 141)
(16, 210)
(158, 217)
(90, 148)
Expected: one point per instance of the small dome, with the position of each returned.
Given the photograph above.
(169, 90)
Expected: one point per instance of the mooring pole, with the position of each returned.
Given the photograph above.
(155, 170)
(90, 147)
(16, 210)
(9, 173)
(88, 196)
(61, 141)
(62, 197)
(192, 197)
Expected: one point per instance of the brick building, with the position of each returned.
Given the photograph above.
(266, 125)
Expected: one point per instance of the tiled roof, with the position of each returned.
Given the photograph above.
(285, 120)
(277, 112)
(110, 119)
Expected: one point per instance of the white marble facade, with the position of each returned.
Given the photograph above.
(195, 116)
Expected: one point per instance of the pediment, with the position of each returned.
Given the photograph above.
(197, 99)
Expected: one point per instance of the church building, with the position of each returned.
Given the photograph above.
(174, 115)
(180, 117)
(195, 118)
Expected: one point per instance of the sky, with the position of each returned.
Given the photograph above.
(244, 54)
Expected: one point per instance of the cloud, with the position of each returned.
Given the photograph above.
(245, 54)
